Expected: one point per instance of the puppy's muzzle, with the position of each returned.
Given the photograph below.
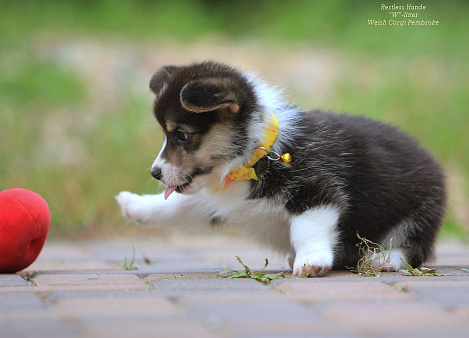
(156, 173)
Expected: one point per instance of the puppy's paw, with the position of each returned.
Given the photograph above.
(306, 266)
(390, 267)
(132, 206)
(393, 262)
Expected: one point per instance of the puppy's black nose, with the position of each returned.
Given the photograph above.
(156, 173)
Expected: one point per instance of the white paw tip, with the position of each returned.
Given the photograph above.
(306, 271)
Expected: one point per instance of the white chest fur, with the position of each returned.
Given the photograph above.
(265, 219)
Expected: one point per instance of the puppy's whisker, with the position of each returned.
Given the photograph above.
(149, 181)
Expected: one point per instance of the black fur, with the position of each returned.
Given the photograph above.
(377, 175)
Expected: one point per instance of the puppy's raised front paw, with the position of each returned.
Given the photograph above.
(131, 206)
(305, 267)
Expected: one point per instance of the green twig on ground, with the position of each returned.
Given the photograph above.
(264, 278)
(422, 272)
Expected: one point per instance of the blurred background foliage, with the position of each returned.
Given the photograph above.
(75, 112)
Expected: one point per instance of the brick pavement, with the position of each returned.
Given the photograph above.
(80, 289)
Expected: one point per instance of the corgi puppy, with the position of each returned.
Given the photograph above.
(302, 183)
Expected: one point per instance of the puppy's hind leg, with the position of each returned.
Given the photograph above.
(414, 240)
(313, 235)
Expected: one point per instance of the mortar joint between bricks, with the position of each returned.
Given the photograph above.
(149, 283)
(29, 277)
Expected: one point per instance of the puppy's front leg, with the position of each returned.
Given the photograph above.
(313, 235)
(177, 210)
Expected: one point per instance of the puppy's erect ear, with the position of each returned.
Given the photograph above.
(161, 76)
(204, 95)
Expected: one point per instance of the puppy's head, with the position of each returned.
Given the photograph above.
(205, 111)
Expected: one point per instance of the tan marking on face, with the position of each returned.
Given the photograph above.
(171, 126)
(215, 141)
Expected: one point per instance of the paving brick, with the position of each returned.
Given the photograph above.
(79, 265)
(37, 324)
(449, 271)
(217, 314)
(260, 314)
(56, 297)
(281, 330)
(452, 248)
(214, 242)
(134, 327)
(112, 306)
(433, 282)
(12, 280)
(350, 291)
(232, 296)
(454, 260)
(409, 319)
(20, 301)
(156, 251)
(462, 311)
(179, 268)
(440, 292)
(104, 282)
(207, 284)
(153, 257)
(187, 275)
(62, 251)
(255, 259)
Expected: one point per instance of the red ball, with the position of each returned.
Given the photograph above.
(24, 224)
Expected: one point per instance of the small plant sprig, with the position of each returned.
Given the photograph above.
(264, 278)
(304, 271)
(422, 272)
(374, 258)
(130, 265)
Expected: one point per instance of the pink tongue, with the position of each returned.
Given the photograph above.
(168, 191)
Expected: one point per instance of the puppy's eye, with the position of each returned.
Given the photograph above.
(181, 135)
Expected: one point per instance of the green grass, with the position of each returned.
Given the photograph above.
(55, 138)
(416, 272)
(260, 276)
(452, 229)
(334, 23)
(129, 265)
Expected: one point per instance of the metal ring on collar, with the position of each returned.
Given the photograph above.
(271, 155)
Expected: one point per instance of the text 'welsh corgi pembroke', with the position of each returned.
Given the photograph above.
(302, 183)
